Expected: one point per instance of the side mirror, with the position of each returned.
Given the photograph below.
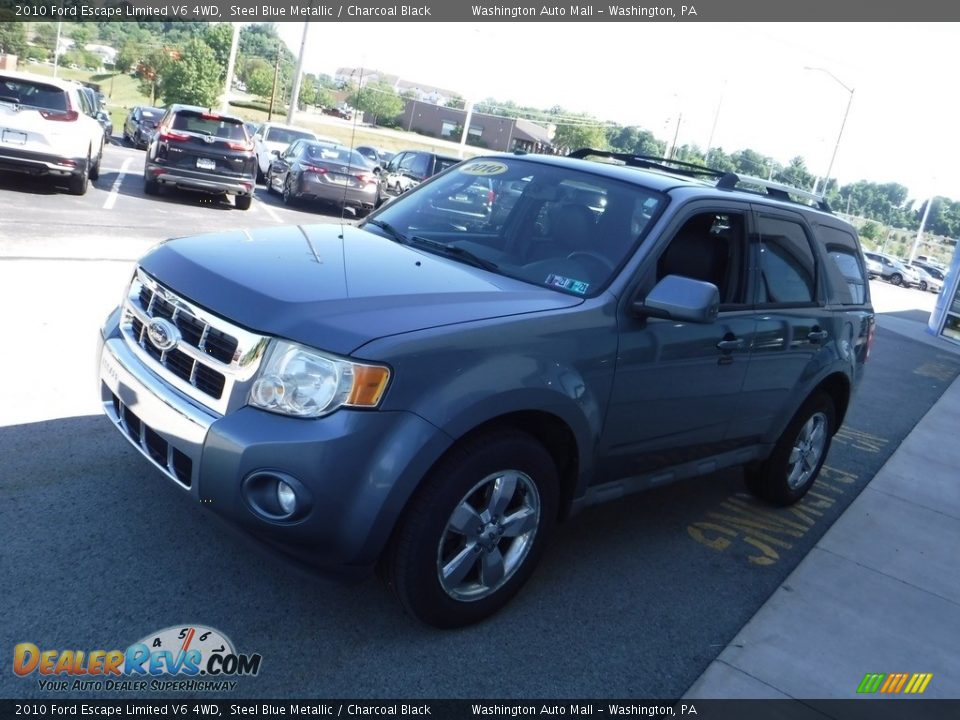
(275, 153)
(377, 170)
(682, 299)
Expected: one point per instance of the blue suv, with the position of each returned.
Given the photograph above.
(429, 393)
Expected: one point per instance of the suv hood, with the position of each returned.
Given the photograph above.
(335, 287)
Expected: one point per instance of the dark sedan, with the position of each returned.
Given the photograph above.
(141, 124)
(324, 172)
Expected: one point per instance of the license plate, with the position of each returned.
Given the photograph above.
(206, 164)
(339, 180)
(14, 138)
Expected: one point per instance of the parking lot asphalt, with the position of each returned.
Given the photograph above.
(634, 599)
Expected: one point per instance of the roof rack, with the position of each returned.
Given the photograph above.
(725, 180)
(731, 181)
(650, 162)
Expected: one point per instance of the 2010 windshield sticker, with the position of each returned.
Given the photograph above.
(577, 286)
(485, 168)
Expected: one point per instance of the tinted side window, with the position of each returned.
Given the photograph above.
(419, 165)
(787, 266)
(845, 274)
(711, 247)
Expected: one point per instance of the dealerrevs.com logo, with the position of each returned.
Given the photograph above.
(188, 658)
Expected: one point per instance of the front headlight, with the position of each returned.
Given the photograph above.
(303, 382)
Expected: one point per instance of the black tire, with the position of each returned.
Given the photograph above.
(289, 197)
(505, 471)
(923, 285)
(896, 279)
(78, 184)
(150, 186)
(793, 466)
(242, 202)
(269, 185)
(95, 170)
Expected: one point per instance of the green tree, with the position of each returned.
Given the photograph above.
(151, 69)
(308, 91)
(324, 97)
(574, 136)
(13, 38)
(378, 100)
(219, 38)
(260, 82)
(127, 57)
(193, 78)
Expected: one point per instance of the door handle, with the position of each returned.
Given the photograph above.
(730, 343)
(818, 336)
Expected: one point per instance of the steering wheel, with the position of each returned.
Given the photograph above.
(593, 256)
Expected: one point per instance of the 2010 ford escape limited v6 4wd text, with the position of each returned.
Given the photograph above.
(431, 391)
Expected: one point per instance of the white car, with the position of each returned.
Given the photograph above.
(48, 127)
(271, 139)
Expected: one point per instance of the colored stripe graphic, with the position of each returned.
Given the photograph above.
(871, 682)
(918, 683)
(895, 683)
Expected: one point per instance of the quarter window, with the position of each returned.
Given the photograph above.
(845, 273)
(787, 266)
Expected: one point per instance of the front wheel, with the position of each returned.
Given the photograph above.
(896, 279)
(793, 466)
(289, 194)
(472, 535)
(923, 285)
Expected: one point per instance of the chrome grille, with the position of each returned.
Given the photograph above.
(212, 354)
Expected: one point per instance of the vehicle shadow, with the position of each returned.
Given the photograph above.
(29, 184)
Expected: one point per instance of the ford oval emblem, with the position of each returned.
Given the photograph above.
(163, 334)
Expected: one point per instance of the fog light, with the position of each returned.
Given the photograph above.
(286, 497)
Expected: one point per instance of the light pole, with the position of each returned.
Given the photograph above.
(826, 178)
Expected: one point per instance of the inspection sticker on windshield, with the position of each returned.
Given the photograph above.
(577, 286)
(488, 167)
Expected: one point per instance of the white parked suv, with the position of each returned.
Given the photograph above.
(48, 127)
(274, 137)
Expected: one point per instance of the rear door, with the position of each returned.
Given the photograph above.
(794, 325)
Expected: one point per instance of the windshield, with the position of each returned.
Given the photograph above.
(209, 124)
(555, 227)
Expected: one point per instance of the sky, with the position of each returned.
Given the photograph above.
(751, 78)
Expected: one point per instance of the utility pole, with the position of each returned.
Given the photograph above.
(56, 49)
(295, 95)
(276, 78)
(923, 224)
(466, 128)
(231, 63)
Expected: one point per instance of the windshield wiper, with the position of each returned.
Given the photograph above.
(455, 251)
(390, 230)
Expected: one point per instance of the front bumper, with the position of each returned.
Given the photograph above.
(358, 468)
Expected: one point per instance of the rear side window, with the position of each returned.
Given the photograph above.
(444, 163)
(213, 125)
(787, 267)
(34, 94)
(846, 278)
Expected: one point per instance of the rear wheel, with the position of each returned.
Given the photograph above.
(923, 285)
(472, 535)
(150, 186)
(242, 202)
(792, 468)
(289, 194)
(95, 170)
(78, 184)
(896, 279)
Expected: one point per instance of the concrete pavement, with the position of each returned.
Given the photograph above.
(880, 592)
